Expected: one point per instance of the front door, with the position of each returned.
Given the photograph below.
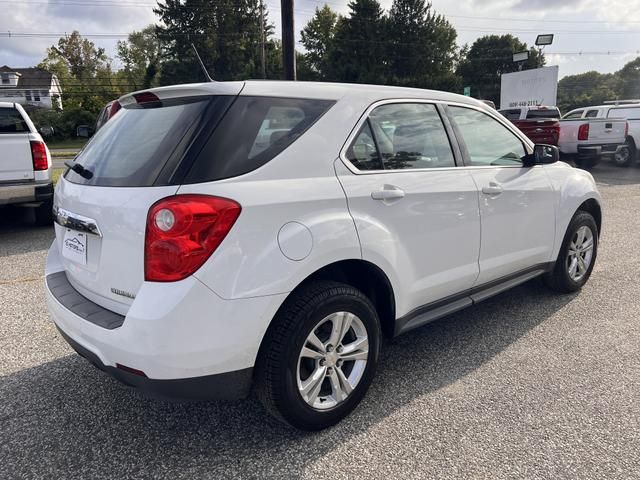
(517, 208)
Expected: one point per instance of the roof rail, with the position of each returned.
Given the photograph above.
(621, 102)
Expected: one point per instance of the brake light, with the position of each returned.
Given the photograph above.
(583, 132)
(115, 107)
(146, 97)
(182, 233)
(39, 156)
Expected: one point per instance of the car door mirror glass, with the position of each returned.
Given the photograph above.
(542, 154)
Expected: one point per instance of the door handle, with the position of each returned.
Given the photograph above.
(492, 189)
(388, 192)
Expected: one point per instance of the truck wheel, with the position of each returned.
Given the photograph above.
(623, 157)
(44, 214)
(319, 355)
(577, 255)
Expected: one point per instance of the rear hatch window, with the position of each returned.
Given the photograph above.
(133, 148)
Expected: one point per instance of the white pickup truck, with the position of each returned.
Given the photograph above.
(25, 164)
(629, 110)
(584, 139)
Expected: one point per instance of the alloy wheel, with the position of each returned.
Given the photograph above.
(580, 253)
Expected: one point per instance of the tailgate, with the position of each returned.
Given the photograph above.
(540, 131)
(607, 131)
(16, 163)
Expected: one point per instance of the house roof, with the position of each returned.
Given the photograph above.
(34, 78)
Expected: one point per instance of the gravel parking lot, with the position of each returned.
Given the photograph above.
(525, 385)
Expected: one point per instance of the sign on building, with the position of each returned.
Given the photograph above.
(529, 88)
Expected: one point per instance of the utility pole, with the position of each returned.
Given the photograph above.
(288, 40)
(264, 54)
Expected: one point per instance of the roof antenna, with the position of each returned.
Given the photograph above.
(204, 69)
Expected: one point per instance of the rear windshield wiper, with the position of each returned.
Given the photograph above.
(79, 169)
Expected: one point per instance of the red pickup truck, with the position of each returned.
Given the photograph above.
(540, 124)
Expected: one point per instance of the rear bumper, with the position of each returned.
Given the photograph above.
(597, 151)
(223, 386)
(25, 193)
(188, 342)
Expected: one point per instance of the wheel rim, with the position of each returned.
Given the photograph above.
(332, 360)
(580, 253)
(623, 155)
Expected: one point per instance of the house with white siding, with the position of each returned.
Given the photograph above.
(30, 86)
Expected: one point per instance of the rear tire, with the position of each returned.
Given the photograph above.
(44, 214)
(309, 353)
(623, 157)
(577, 255)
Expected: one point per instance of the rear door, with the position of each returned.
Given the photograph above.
(416, 212)
(102, 215)
(517, 207)
(16, 163)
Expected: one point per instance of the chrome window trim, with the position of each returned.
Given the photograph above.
(528, 144)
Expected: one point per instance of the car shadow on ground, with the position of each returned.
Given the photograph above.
(66, 418)
(19, 233)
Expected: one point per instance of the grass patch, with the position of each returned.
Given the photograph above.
(56, 174)
(73, 143)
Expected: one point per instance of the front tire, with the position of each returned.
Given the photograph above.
(577, 255)
(319, 356)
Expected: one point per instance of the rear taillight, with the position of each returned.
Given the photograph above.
(39, 156)
(583, 132)
(626, 129)
(182, 233)
(115, 107)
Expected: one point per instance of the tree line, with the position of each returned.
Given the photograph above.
(408, 45)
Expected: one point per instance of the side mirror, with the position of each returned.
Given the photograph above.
(47, 131)
(542, 155)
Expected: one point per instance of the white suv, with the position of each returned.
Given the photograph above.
(220, 236)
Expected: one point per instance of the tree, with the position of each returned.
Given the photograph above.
(422, 46)
(628, 79)
(357, 53)
(84, 72)
(488, 58)
(317, 36)
(140, 55)
(590, 88)
(227, 34)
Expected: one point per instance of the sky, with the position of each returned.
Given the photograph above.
(589, 34)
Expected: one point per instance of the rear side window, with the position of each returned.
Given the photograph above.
(544, 113)
(591, 114)
(132, 148)
(631, 113)
(253, 132)
(12, 122)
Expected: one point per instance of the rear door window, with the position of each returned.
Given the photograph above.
(253, 132)
(591, 114)
(574, 115)
(12, 122)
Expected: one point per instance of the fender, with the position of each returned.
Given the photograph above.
(573, 187)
